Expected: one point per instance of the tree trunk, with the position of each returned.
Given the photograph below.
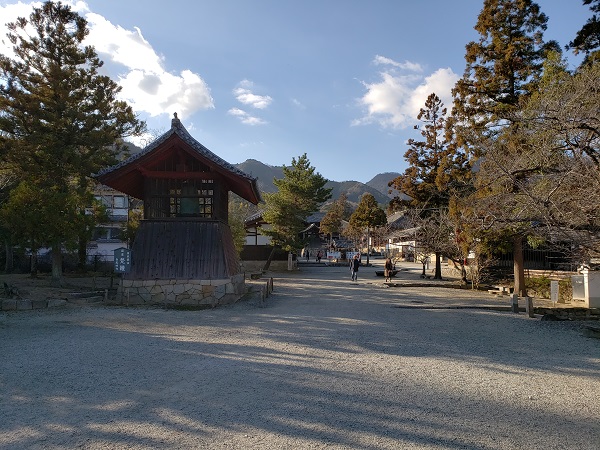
(463, 273)
(519, 266)
(82, 254)
(269, 259)
(9, 264)
(368, 242)
(57, 279)
(33, 260)
(438, 266)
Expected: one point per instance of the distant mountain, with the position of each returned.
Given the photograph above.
(380, 182)
(263, 172)
(353, 189)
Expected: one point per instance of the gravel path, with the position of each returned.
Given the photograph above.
(326, 364)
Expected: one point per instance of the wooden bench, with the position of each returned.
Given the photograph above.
(501, 290)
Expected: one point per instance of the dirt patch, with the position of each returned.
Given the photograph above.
(42, 288)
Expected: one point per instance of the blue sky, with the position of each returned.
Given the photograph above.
(339, 80)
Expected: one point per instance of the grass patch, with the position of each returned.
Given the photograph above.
(188, 307)
(540, 287)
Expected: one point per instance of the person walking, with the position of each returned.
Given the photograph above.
(387, 269)
(354, 265)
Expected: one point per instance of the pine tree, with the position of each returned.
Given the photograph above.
(587, 39)
(368, 215)
(332, 221)
(239, 210)
(503, 70)
(436, 169)
(299, 194)
(552, 188)
(503, 66)
(60, 118)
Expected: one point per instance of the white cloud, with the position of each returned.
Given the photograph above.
(147, 86)
(382, 60)
(297, 103)
(395, 100)
(244, 95)
(441, 82)
(165, 93)
(125, 47)
(245, 117)
(9, 13)
(252, 144)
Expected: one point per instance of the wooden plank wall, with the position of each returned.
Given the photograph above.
(199, 250)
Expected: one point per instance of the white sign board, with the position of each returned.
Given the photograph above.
(334, 255)
(554, 291)
(350, 255)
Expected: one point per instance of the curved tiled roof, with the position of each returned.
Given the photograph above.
(179, 130)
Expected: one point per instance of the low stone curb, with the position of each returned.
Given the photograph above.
(11, 304)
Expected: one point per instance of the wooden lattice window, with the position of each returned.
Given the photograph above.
(182, 198)
(192, 200)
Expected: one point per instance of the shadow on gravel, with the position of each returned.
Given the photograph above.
(326, 363)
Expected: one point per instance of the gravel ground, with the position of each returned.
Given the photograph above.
(326, 364)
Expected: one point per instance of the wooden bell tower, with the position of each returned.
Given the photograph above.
(184, 237)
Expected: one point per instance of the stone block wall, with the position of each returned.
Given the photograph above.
(11, 304)
(181, 292)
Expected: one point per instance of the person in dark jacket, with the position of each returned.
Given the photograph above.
(387, 269)
(354, 265)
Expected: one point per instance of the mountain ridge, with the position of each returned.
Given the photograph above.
(354, 190)
(377, 186)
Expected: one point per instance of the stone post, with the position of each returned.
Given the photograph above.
(529, 306)
(514, 302)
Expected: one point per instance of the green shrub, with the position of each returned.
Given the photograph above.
(540, 287)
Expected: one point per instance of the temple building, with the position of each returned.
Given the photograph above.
(183, 252)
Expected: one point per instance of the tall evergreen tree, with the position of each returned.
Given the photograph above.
(435, 167)
(503, 66)
(8, 181)
(239, 210)
(587, 40)
(332, 221)
(503, 70)
(435, 170)
(368, 215)
(59, 118)
(551, 190)
(299, 194)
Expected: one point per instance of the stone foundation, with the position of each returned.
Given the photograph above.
(257, 266)
(11, 304)
(181, 292)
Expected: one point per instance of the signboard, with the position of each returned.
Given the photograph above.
(122, 260)
(334, 255)
(350, 255)
(578, 287)
(554, 291)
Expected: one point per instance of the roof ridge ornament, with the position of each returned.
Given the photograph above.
(175, 122)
